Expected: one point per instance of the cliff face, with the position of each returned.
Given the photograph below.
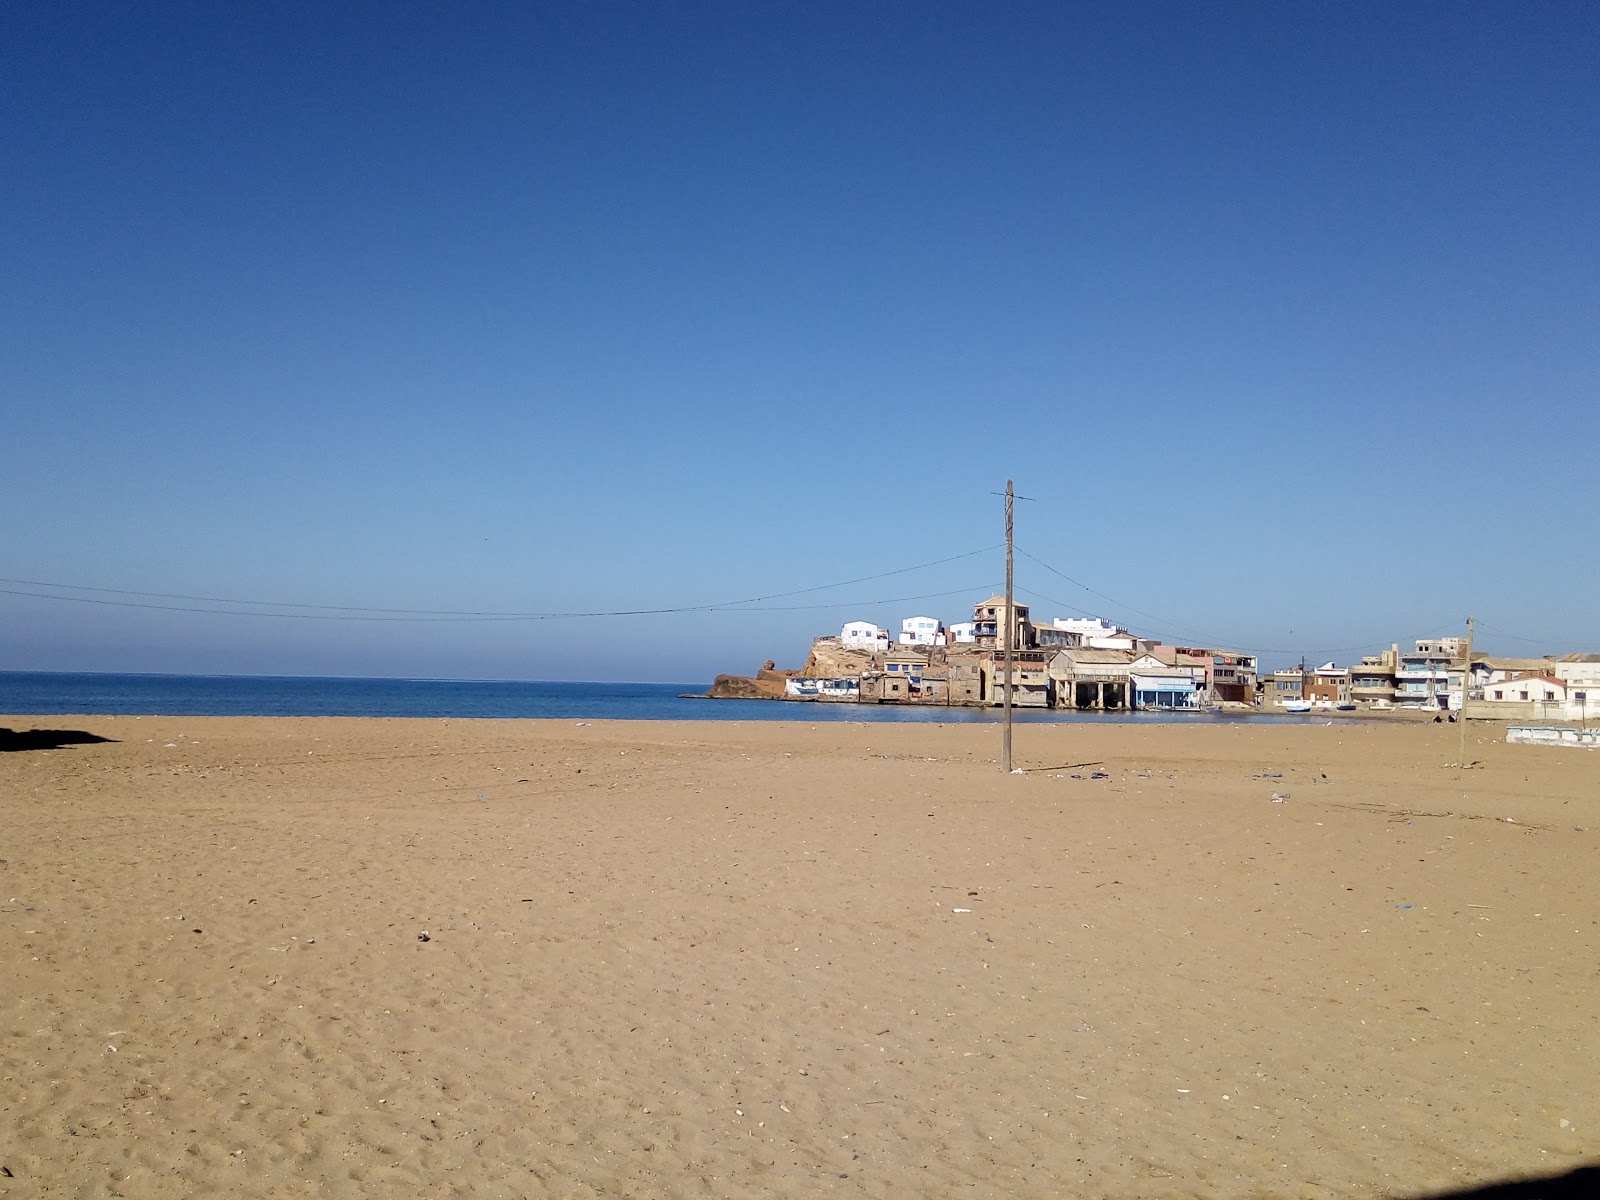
(830, 660)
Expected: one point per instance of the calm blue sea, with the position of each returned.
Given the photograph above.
(42, 693)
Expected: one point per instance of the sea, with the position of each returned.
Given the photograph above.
(37, 693)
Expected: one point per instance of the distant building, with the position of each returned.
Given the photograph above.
(989, 618)
(1233, 676)
(921, 631)
(907, 664)
(1537, 689)
(1372, 679)
(864, 635)
(1328, 684)
(803, 688)
(1287, 684)
(1170, 688)
(961, 633)
(1030, 679)
(1095, 633)
(1422, 677)
(1090, 678)
(966, 677)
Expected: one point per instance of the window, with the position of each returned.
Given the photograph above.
(1580, 697)
(1523, 695)
(1499, 695)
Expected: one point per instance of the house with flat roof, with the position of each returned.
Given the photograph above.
(1089, 678)
(864, 635)
(921, 631)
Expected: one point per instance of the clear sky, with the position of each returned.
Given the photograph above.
(1284, 316)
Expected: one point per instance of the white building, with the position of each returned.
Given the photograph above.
(963, 631)
(1539, 689)
(921, 631)
(864, 635)
(1095, 633)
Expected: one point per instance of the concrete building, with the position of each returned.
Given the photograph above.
(1233, 676)
(966, 677)
(1289, 683)
(934, 685)
(962, 633)
(1328, 684)
(906, 663)
(864, 635)
(921, 631)
(801, 688)
(1047, 637)
(1564, 689)
(1422, 677)
(1087, 678)
(989, 618)
(1030, 675)
(1095, 633)
(1165, 688)
(1523, 689)
(1372, 680)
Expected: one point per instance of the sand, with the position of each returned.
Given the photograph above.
(330, 957)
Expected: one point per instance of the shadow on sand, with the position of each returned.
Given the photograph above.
(1580, 1184)
(46, 739)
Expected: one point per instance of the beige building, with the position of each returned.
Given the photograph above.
(1030, 678)
(989, 619)
(1091, 679)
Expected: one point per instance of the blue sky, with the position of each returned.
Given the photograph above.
(1284, 316)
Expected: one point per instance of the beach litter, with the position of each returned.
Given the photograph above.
(1099, 775)
(1280, 797)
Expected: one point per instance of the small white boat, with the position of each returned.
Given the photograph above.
(1297, 706)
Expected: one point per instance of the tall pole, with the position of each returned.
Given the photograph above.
(1005, 745)
(1466, 689)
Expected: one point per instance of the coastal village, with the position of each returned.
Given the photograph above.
(1089, 664)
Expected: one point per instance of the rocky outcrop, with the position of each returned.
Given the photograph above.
(830, 659)
(742, 687)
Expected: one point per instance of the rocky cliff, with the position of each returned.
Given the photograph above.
(742, 687)
(831, 660)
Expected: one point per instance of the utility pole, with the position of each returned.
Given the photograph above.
(1005, 744)
(1466, 688)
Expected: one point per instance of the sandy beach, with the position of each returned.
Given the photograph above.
(337, 957)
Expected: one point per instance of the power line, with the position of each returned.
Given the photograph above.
(1218, 643)
(1109, 599)
(327, 611)
(1515, 637)
(1190, 632)
(489, 618)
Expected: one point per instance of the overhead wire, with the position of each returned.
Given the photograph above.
(1172, 625)
(336, 612)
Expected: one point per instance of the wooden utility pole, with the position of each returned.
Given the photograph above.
(1466, 689)
(1005, 744)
